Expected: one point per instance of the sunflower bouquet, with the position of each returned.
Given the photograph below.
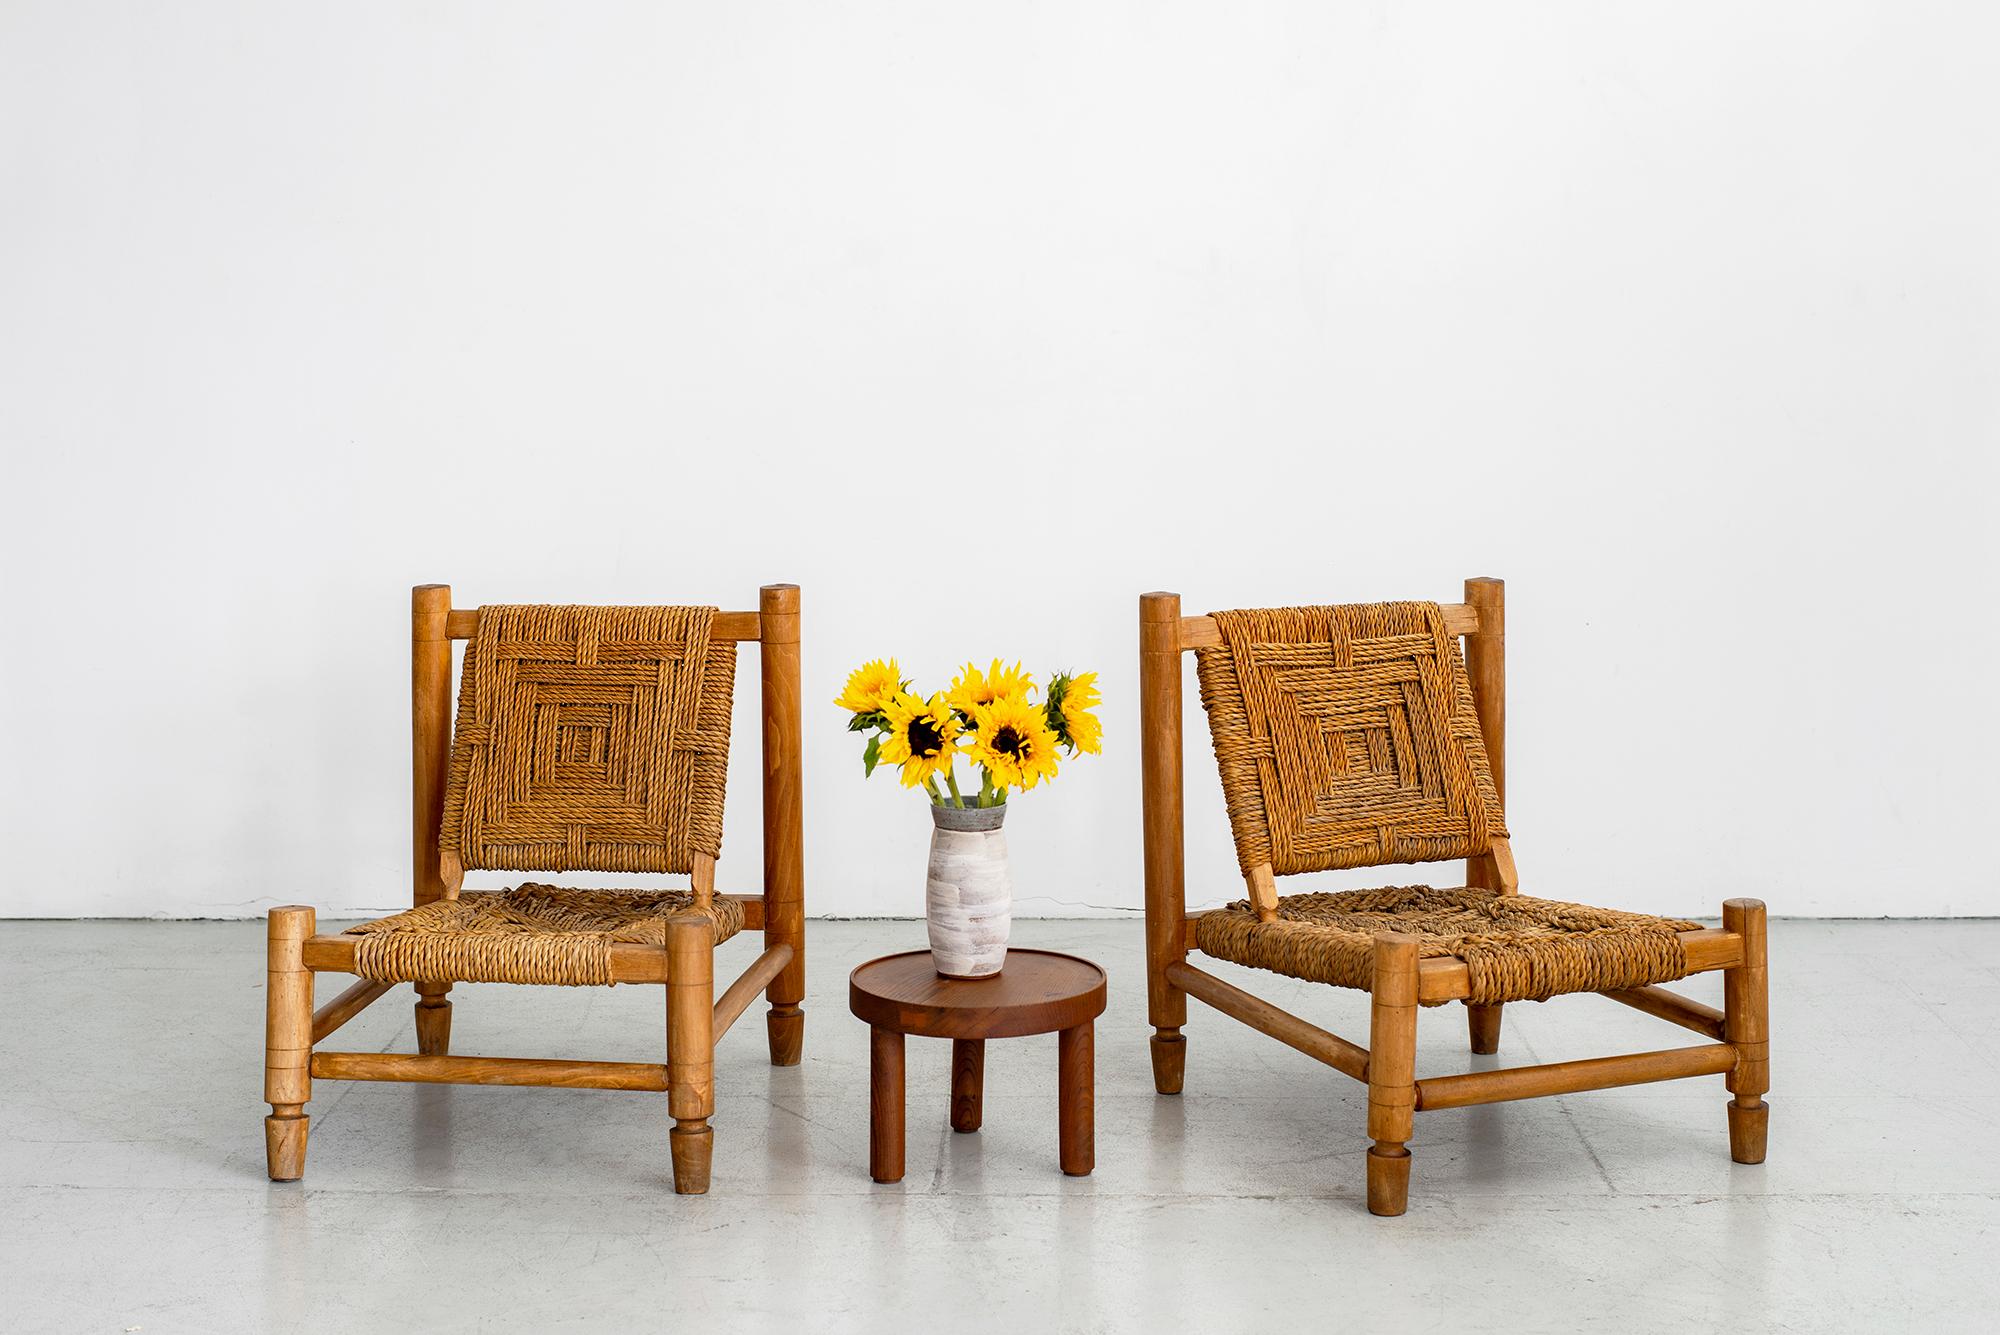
(990, 718)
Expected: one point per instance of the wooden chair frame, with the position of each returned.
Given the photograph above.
(1739, 1046)
(696, 1017)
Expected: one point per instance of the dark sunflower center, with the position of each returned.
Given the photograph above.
(1008, 741)
(925, 740)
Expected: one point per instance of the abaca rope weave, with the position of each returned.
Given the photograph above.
(586, 738)
(1347, 737)
(532, 934)
(1515, 948)
(590, 737)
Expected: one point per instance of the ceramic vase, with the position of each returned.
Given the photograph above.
(969, 897)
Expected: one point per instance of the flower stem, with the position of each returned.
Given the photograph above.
(951, 779)
(930, 786)
(986, 798)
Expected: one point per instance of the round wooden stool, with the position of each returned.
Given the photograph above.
(1037, 992)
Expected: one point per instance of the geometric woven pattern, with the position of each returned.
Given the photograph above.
(1347, 737)
(1515, 948)
(590, 737)
(541, 934)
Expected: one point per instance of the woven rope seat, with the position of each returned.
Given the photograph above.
(542, 934)
(1516, 948)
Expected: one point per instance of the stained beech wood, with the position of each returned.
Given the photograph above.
(288, 1026)
(1531, 1082)
(701, 879)
(1392, 1064)
(1673, 1008)
(784, 904)
(968, 1083)
(1203, 633)
(346, 1006)
(430, 758)
(733, 1002)
(554, 1074)
(1483, 1027)
(1486, 668)
(433, 1019)
(463, 624)
(1261, 1015)
(1076, 1099)
(1160, 636)
(691, 1048)
(1746, 1008)
(430, 733)
(885, 1104)
(1263, 891)
(1035, 992)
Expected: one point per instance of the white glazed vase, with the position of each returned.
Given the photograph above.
(969, 897)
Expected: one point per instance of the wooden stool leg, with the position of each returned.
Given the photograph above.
(1483, 1022)
(1746, 1023)
(968, 1082)
(433, 1019)
(885, 1105)
(1076, 1092)
(691, 1050)
(1392, 1072)
(288, 1024)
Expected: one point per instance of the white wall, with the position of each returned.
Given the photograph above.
(976, 321)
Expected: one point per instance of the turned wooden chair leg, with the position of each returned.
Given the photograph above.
(1746, 1023)
(784, 855)
(433, 1019)
(691, 1050)
(1483, 1023)
(288, 1025)
(1166, 854)
(1392, 1072)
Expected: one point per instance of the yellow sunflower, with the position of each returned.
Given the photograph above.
(1070, 701)
(972, 690)
(920, 737)
(870, 686)
(1014, 742)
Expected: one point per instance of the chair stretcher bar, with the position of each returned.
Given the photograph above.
(1261, 1015)
(645, 1076)
(346, 1006)
(1673, 1008)
(1529, 1082)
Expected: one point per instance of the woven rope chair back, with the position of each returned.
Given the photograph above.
(590, 738)
(1347, 737)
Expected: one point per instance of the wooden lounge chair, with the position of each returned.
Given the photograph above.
(588, 738)
(1355, 737)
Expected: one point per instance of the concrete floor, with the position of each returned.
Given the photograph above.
(133, 1197)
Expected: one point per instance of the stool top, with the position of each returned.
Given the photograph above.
(1035, 992)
